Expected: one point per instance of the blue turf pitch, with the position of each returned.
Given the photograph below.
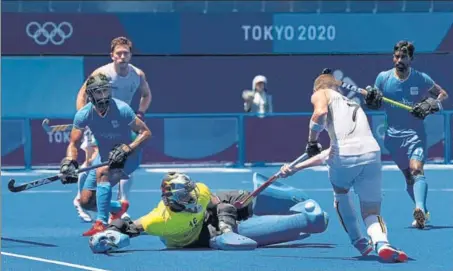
(43, 223)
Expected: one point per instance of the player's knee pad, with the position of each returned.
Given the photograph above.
(227, 215)
(275, 199)
(108, 241)
(232, 241)
(370, 208)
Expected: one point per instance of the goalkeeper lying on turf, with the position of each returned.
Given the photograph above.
(190, 216)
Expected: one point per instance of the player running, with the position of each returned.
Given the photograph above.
(190, 216)
(127, 82)
(405, 137)
(112, 122)
(354, 160)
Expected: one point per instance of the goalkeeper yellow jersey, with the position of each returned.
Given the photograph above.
(177, 229)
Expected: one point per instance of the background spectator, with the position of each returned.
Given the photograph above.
(258, 100)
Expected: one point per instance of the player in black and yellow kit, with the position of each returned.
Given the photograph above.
(189, 216)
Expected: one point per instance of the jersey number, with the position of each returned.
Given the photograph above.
(193, 222)
(354, 113)
(354, 105)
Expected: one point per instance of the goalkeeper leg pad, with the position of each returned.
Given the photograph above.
(276, 199)
(232, 241)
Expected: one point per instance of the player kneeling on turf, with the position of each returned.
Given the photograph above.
(190, 216)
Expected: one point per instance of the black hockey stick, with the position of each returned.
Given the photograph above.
(39, 182)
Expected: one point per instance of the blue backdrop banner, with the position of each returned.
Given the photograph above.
(237, 33)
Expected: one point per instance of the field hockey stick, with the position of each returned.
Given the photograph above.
(364, 92)
(55, 128)
(39, 182)
(241, 203)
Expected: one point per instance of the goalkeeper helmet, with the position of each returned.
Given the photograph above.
(179, 193)
(99, 91)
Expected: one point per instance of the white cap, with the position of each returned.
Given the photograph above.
(259, 79)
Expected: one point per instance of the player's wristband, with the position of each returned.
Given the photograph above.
(316, 126)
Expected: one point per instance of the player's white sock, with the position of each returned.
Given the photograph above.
(347, 215)
(125, 188)
(376, 228)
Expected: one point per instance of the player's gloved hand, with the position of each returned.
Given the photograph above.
(286, 171)
(326, 71)
(373, 98)
(125, 226)
(425, 107)
(313, 148)
(68, 168)
(118, 156)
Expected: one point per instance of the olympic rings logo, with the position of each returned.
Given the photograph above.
(49, 32)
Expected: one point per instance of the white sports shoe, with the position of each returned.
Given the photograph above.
(83, 215)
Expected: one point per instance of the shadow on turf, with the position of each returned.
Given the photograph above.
(299, 245)
(154, 250)
(429, 228)
(4, 239)
(302, 245)
(369, 258)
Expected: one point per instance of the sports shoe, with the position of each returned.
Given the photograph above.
(420, 218)
(122, 211)
(363, 245)
(97, 227)
(390, 254)
(83, 215)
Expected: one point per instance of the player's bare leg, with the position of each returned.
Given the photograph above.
(409, 183)
(88, 200)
